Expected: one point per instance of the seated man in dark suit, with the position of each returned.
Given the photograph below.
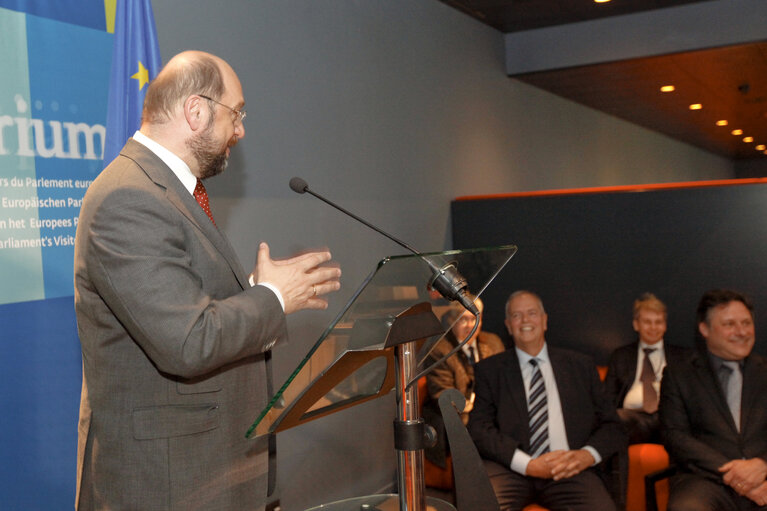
(713, 413)
(634, 371)
(457, 372)
(541, 421)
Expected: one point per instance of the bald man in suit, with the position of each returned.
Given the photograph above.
(541, 421)
(175, 335)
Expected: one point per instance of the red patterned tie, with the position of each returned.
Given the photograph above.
(202, 199)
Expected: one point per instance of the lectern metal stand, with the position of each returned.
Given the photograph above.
(408, 330)
(409, 462)
(376, 344)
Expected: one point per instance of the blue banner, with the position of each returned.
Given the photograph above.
(53, 98)
(55, 57)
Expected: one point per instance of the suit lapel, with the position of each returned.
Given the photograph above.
(630, 370)
(189, 207)
(186, 204)
(568, 397)
(513, 381)
(632, 362)
(753, 390)
(709, 381)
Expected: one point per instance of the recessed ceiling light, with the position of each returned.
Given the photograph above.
(722, 122)
(696, 106)
(667, 88)
(748, 140)
(737, 132)
(601, 1)
(761, 147)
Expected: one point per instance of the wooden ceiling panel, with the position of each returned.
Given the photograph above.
(730, 82)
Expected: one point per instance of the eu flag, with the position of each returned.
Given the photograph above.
(135, 61)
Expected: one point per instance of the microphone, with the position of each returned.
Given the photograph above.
(446, 279)
(298, 185)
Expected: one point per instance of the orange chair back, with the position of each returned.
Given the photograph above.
(645, 459)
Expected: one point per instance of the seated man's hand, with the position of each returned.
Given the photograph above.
(744, 475)
(301, 280)
(541, 466)
(570, 463)
(759, 494)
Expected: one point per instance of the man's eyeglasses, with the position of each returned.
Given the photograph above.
(240, 113)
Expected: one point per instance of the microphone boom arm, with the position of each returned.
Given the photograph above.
(446, 280)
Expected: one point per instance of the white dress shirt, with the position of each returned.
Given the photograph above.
(473, 358)
(471, 350)
(633, 399)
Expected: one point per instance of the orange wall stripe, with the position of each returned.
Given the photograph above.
(614, 189)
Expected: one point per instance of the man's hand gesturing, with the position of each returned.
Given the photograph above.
(302, 280)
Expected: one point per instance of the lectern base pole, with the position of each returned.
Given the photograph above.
(408, 432)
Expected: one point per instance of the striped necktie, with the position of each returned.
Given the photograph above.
(538, 413)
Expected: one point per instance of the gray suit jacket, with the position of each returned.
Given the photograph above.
(173, 342)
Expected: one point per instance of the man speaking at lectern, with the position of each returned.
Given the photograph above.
(174, 333)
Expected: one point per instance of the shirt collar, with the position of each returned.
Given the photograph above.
(524, 357)
(658, 345)
(471, 346)
(176, 164)
(717, 362)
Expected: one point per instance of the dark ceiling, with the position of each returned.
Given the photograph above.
(731, 82)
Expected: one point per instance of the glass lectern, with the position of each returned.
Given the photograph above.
(379, 342)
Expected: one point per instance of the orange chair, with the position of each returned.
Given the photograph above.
(645, 459)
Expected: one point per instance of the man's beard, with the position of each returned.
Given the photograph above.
(210, 162)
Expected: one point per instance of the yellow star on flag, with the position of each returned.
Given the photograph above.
(142, 76)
